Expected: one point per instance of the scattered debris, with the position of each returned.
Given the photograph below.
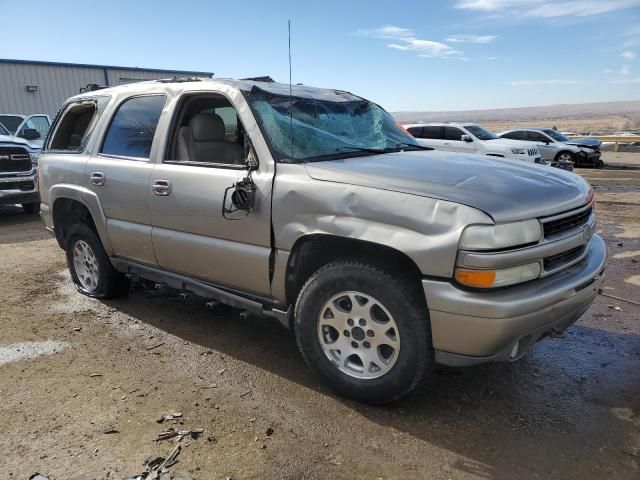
(615, 307)
(269, 432)
(155, 346)
(169, 433)
(633, 302)
(95, 375)
(38, 476)
(221, 371)
(169, 416)
(109, 429)
(634, 452)
(263, 446)
(77, 329)
(245, 393)
(156, 468)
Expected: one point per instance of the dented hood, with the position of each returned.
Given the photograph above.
(504, 189)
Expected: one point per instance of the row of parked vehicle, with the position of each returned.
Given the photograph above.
(537, 145)
(21, 140)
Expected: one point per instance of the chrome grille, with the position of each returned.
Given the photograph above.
(14, 159)
(560, 225)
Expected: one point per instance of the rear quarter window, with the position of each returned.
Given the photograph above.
(74, 126)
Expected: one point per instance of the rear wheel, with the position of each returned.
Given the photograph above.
(31, 208)
(91, 270)
(364, 330)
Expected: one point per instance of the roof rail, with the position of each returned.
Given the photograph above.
(179, 80)
(265, 78)
(92, 87)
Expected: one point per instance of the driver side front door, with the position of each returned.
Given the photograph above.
(191, 236)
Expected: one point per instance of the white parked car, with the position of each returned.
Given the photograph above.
(470, 138)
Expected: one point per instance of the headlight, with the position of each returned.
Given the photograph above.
(496, 237)
(498, 278)
(34, 158)
(518, 151)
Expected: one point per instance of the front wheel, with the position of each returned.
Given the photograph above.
(364, 330)
(565, 157)
(91, 270)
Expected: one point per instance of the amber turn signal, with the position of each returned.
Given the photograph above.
(476, 278)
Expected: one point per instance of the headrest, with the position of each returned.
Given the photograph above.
(206, 127)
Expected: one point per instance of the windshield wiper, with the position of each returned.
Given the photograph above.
(363, 149)
(419, 147)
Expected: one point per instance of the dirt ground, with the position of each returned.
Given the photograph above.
(569, 410)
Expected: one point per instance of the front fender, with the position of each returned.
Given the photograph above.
(427, 230)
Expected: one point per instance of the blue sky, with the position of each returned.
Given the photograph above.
(408, 55)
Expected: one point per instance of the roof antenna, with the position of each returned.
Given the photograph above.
(290, 93)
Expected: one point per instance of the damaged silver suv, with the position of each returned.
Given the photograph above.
(313, 207)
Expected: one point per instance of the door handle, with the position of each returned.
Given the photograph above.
(97, 178)
(161, 187)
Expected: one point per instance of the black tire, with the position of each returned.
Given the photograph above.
(599, 164)
(111, 283)
(404, 301)
(572, 157)
(31, 208)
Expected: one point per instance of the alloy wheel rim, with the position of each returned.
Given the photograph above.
(358, 335)
(86, 265)
(565, 157)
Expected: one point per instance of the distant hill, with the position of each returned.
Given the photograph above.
(605, 109)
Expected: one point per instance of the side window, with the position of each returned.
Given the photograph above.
(433, 133)
(537, 137)
(39, 123)
(207, 132)
(453, 133)
(415, 131)
(516, 135)
(133, 127)
(74, 126)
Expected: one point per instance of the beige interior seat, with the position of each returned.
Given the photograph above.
(203, 141)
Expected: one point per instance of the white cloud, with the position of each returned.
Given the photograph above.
(624, 71)
(626, 80)
(607, 71)
(471, 38)
(628, 55)
(548, 9)
(526, 83)
(405, 39)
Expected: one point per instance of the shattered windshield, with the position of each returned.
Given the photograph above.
(305, 129)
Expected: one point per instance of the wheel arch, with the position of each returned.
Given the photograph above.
(70, 205)
(311, 252)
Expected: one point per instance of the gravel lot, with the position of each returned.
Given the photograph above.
(569, 409)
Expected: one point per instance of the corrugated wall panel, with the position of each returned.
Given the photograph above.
(56, 83)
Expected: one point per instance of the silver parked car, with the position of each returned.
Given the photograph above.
(556, 147)
(313, 207)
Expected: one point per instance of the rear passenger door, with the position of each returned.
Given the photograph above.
(119, 174)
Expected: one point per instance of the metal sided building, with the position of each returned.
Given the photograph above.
(28, 87)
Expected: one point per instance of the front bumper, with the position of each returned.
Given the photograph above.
(471, 327)
(19, 188)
